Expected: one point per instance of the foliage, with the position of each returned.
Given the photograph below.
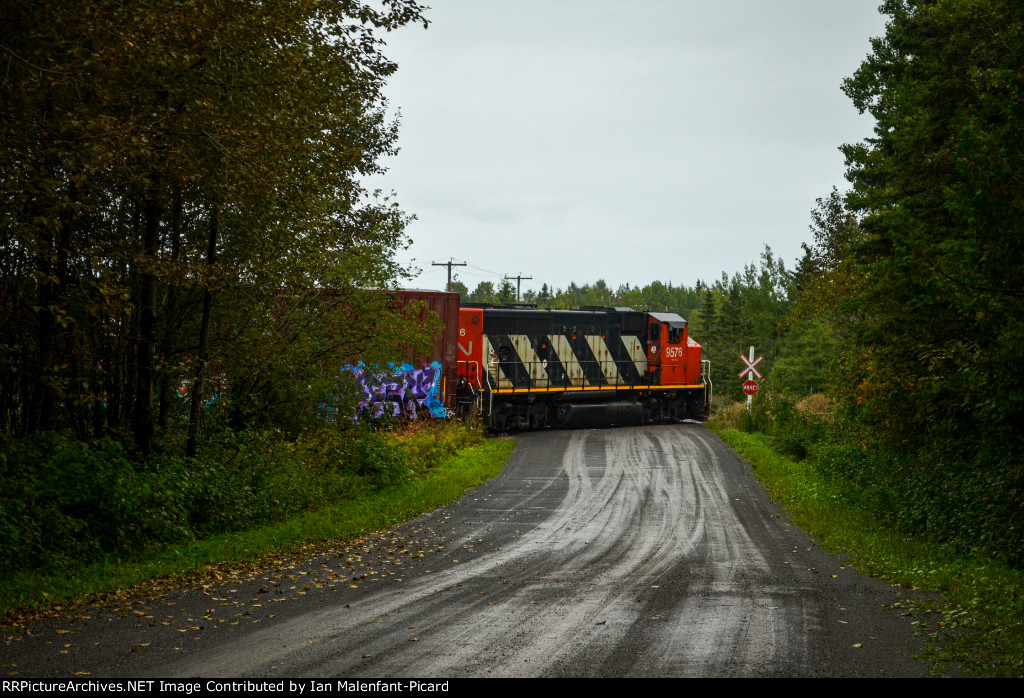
(181, 183)
(461, 289)
(977, 625)
(506, 293)
(807, 361)
(483, 293)
(946, 496)
(908, 311)
(251, 548)
(747, 309)
(427, 444)
(64, 501)
(941, 191)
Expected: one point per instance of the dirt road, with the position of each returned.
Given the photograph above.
(644, 551)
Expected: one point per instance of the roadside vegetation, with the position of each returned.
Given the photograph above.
(808, 460)
(111, 525)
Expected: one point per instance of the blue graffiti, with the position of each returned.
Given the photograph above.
(398, 391)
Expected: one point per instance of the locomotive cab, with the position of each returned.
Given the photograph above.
(667, 350)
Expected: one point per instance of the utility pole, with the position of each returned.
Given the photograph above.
(519, 280)
(450, 263)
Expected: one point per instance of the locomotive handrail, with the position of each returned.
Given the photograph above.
(548, 384)
(706, 377)
(479, 385)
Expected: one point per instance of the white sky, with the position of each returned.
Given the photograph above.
(572, 140)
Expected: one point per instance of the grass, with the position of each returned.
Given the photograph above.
(27, 594)
(978, 622)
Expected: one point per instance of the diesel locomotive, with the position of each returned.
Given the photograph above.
(519, 367)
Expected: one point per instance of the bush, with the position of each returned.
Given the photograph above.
(426, 444)
(66, 501)
(943, 490)
(791, 430)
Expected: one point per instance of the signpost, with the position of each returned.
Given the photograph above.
(750, 369)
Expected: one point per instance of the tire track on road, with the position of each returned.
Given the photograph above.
(644, 565)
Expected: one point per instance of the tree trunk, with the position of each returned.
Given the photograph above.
(143, 414)
(43, 397)
(204, 341)
(166, 343)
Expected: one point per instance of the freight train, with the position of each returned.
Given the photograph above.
(517, 367)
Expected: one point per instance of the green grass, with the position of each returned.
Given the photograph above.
(443, 484)
(978, 623)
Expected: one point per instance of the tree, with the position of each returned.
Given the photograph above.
(506, 293)
(544, 296)
(483, 293)
(165, 163)
(937, 308)
(461, 289)
(940, 188)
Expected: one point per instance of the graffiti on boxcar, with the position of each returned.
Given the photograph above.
(398, 390)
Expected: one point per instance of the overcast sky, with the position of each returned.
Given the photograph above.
(576, 140)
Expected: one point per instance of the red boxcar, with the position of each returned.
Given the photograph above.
(446, 305)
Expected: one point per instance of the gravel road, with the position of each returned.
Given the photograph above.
(641, 551)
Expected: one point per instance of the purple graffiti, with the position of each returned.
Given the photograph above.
(398, 390)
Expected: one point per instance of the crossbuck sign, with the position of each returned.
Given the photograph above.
(751, 365)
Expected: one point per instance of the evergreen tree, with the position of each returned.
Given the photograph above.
(941, 190)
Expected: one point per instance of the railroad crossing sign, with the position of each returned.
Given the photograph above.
(750, 387)
(751, 366)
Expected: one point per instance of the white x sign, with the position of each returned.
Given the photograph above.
(754, 373)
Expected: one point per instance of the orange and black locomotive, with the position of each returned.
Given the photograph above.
(522, 368)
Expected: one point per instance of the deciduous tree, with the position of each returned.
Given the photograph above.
(169, 167)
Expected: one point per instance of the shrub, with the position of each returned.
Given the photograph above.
(66, 501)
